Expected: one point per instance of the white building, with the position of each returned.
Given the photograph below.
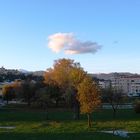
(104, 83)
(129, 85)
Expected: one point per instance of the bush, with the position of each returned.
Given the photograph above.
(137, 107)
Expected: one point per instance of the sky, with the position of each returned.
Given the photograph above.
(103, 35)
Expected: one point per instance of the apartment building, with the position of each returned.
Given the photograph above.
(130, 85)
(104, 83)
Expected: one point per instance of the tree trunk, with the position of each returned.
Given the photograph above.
(89, 120)
(76, 109)
(78, 112)
(56, 103)
(7, 101)
(114, 113)
(29, 104)
(46, 111)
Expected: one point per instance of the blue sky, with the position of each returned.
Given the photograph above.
(25, 26)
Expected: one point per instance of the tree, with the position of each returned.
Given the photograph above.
(77, 75)
(17, 87)
(59, 74)
(63, 75)
(54, 93)
(8, 93)
(89, 97)
(114, 97)
(28, 91)
(42, 97)
(137, 106)
(67, 75)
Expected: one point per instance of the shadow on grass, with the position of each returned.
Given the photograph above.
(103, 115)
(62, 136)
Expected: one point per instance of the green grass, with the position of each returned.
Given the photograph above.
(34, 125)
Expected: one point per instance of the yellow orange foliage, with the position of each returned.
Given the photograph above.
(88, 95)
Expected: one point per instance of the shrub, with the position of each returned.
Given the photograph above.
(137, 107)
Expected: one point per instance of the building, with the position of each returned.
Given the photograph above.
(104, 84)
(129, 85)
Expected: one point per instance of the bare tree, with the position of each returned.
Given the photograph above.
(114, 97)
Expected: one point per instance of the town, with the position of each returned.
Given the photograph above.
(128, 83)
(69, 70)
(23, 90)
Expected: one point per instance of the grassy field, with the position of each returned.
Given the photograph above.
(34, 125)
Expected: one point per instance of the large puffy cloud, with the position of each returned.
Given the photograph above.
(68, 43)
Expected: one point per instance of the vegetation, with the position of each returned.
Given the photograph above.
(88, 96)
(8, 93)
(114, 97)
(11, 74)
(137, 107)
(50, 102)
(67, 75)
(33, 124)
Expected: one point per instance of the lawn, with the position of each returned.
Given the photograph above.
(59, 125)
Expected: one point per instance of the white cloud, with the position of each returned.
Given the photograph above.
(68, 43)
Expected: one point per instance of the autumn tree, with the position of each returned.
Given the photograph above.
(76, 77)
(88, 96)
(64, 74)
(67, 74)
(77, 74)
(59, 73)
(17, 87)
(8, 92)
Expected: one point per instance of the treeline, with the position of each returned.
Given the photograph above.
(11, 75)
(32, 92)
(66, 84)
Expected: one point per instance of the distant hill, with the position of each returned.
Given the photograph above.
(20, 71)
(38, 73)
(23, 71)
(9, 71)
(108, 76)
(105, 76)
(12, 74)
